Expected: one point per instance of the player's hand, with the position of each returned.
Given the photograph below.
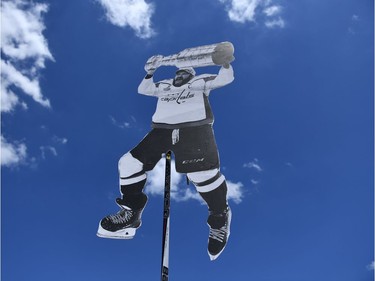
(153, 63)
(225, 61)
(227, 64)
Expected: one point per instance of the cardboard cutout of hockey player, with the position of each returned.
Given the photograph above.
(182, 123)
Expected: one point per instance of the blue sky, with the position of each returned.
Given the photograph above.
(295, 131)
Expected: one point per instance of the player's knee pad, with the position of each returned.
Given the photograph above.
(130, 170)
(206, 181)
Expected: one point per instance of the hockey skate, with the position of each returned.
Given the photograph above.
(123, 224)
(219, 225)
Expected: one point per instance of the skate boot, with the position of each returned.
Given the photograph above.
(219, 224)
(122, 225)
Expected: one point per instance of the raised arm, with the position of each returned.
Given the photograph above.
(147, 86)
(224, 77)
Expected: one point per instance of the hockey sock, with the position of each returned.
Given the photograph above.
(133, 196)
(216, 199)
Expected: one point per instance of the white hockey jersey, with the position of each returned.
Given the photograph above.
(186, 105)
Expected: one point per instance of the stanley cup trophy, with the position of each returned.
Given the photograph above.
(208, 55)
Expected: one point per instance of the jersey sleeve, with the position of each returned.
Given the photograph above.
(224, 77)
(149, 88)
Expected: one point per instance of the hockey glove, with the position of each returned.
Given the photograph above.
(153, 63)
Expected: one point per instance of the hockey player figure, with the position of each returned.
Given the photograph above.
(181, 123)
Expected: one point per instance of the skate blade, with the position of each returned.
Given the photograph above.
(127, 233)
(214, 257)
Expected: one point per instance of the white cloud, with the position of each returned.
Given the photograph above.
(24, 50)
(243, 11)
(155, 179)
(11, 76)
(352, 29)
(253, 165)
(12, 154)
(235, 191)
(355, 17)
(257, 169)
(59, 140)
(155, 185)
(8, 99)
(133, 13)
(121, 125)
(274, 23)
(255, 182)
(48, 150)
(272, 10)
(371, 266)
(22, 28)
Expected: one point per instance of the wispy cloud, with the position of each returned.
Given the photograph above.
(155, 185)
(274, 23)
(272, 10)
(255, 173)
(243, 11)
(371, 266)
(254, 164)
(51, 148)
(123, 124)
(24, 52)
(135, 14)
(59, 140)
(355, 19)
(48, 149)
(255, 182)
(12, 154)
(235, 191)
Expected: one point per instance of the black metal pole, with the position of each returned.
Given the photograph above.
(166, 214)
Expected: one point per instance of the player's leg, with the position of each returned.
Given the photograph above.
(197, 155)
(212, 186)
(132, 172)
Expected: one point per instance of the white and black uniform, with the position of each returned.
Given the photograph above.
(186, 105)
(181, 123)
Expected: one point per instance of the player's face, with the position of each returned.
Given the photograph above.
(181, 78)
